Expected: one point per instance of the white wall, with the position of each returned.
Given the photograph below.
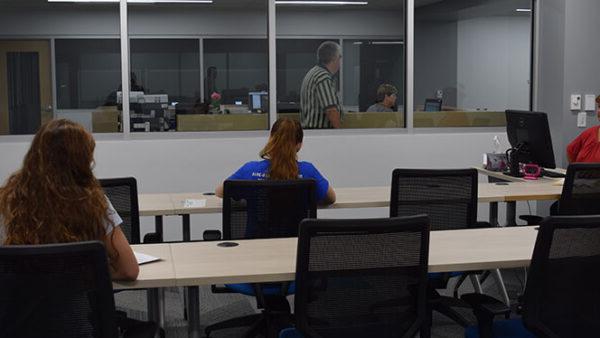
(180, 163)
(493, 63)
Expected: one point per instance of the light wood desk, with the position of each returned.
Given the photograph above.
(511, 206)
(364, 197)
(274, 260)
(154, 277)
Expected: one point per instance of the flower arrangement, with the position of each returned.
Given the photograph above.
(215, 102)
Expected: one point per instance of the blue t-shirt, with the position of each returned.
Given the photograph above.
(258, 170)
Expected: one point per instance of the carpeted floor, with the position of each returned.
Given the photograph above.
(218, 307)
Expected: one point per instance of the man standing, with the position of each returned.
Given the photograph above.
(319, 102)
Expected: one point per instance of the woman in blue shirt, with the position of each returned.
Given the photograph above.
(280, 161)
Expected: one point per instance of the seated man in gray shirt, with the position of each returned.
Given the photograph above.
(386, 99)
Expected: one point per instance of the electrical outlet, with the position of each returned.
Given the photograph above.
(581, 119)
(575, 102)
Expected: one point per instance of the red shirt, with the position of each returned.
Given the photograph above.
(586, 147)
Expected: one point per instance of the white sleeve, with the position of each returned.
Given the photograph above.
(113, 217)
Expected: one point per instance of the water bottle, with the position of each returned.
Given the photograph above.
(495, 144)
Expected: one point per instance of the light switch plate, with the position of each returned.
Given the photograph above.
(575, 102)
(590, 102)
(581, 119)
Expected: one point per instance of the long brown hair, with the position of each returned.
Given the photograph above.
(282, 148)
(54, 197)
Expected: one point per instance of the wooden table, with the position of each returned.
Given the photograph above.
(511, 205)
(364, 197)
(274, 260)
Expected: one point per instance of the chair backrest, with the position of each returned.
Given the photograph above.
(581, 190)
(122, 193)
(266, 209)
(56, 291)
(561, 297)
(447, 196)
(362, 277)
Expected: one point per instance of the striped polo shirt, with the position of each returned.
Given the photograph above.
(318, 92)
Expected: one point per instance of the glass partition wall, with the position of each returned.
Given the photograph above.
(58, 60)
(366, 85)
(197, 66)
(205, 66)
(472, 61)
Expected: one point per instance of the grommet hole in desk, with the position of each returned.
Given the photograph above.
(227, 244)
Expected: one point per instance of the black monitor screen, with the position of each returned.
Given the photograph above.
(433, 105)
(529, 132)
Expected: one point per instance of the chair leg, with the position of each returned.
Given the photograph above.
(501, 286)
(260, 324)
(476, 283)
(450, 313)
(234, 322)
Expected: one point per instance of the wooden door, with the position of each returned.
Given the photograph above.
(24, 64)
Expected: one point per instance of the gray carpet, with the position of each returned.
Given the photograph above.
(218, 307)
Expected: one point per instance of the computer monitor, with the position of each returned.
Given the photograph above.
(433, 105)
(258, 101)
(529, 137)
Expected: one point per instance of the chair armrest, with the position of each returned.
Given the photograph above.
(531, 219)
(211, 235)
(152, 237)
(220, 289)
(485, 304)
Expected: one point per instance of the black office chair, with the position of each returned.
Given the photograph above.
(561, 296)
(361, 278)
(580, 194)
(123, 195)
(264, 209)
(56, 291)
(449, 198)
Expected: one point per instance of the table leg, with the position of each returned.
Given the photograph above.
(501, 286)
(494, 214)
(511, 213)
(158, 226)
(156, 302)
(186, 227)
(193, 305)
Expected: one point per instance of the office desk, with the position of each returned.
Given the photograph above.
(503, 177)
(511, 206)
(363, 197)
(154, 277)
(274, 260)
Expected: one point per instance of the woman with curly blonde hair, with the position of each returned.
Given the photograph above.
(55, 198)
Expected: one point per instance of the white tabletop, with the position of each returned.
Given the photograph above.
(363, 197)
(271, 260)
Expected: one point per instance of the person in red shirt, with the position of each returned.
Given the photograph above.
(586, 147)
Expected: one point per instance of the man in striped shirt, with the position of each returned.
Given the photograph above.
(319, 102)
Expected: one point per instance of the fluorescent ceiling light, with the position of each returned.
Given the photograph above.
(140, 1)
(308, 2)
(523, 9)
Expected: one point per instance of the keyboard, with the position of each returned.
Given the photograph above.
(552, 174)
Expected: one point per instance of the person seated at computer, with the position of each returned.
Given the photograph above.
(386, 99)
(55, 198)
(586, 146)
(280, 161)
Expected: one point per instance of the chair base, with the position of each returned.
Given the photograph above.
(269, 322)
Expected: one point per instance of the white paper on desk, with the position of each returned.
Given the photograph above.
(193, 203)
(143, 258)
